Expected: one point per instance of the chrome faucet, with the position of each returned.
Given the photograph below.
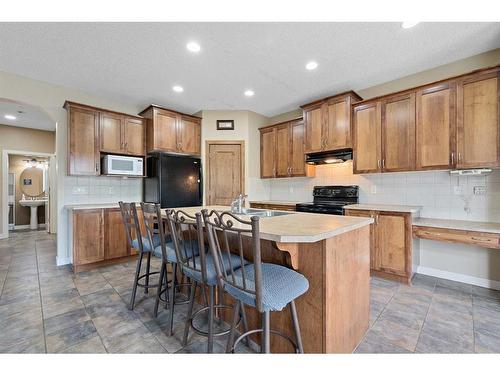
(238, 204)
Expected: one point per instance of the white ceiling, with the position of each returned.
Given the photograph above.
(27, 116)
(138, 63)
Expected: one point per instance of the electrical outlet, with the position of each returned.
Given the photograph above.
(479, 190)
(457, 190)
(374, 189)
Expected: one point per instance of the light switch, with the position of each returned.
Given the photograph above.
(479, 190)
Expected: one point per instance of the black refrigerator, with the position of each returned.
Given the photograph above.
(173, 180)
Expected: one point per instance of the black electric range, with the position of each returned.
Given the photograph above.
(330, 199)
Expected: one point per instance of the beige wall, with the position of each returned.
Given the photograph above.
(17, 165)
(246, 125)
(287, 116)
(24, 139)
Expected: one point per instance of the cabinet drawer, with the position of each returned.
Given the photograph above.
(488, 240)
(278, 207)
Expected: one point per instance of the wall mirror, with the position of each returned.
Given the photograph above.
(31, 182)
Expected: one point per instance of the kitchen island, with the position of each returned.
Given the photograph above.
(333, 253)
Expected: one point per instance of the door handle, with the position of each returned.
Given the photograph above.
(452, 158)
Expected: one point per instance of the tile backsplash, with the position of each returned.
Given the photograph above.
(440, 194)
(101, 189)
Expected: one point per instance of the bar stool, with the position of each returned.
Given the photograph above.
(141, 244)
(155, 228)
(264, 286)
(199, 266)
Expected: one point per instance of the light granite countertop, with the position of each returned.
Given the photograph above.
(297, 226)
(384, 207)
(475, 226)
(283, 203)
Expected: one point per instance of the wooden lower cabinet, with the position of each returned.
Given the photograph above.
(391, 243)
(273, 206)
(98, 237)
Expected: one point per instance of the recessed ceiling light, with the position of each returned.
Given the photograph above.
(10, 117)
(311, 65)
(249, 93)
(408, 24)
(193, 47)
(178, 89)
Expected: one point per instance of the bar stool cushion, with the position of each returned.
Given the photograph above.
(280, 286)
(233, 261)
(146, 244)
(172, 256)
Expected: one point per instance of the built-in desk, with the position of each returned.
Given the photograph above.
(484, 234)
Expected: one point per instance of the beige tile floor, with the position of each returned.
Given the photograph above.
(48, 309)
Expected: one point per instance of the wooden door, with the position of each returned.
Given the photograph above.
(165, 130)
(88, 236)
(478, 123)
(435, 127)
(268, 152)
(115, 238)
(110, 125)
(225, 171)
(283, 151)
(374, 258)
(297, 165)
(398, 133)
(313, 118)
(338, 124)
(189, 136)
(392, 239)
(367, 138)
(133, 136)
(83, 142)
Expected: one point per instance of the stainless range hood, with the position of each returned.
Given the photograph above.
(329, 157)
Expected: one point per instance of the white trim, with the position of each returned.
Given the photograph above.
(5, 184)
(486, 283)
(3, 236)
(27, 226)
(62, 261)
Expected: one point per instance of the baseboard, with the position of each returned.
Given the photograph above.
(62, 261)
(486, 283)
(3, 236)
(27, 226)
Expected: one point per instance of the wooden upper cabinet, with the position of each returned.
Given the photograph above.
(313, 118)
(328, 123)
(283, 151)
(133, 135)
(111, 132)
(338, 124)
(83, 134)
(297, 165)
(164, 131)
(478, 123)
(367, 123)
(268, 152)
(170, 131)
(88, 236)
(398, 133)
(435, 127)
(189, 135)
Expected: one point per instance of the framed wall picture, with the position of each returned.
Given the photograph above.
(225, 124)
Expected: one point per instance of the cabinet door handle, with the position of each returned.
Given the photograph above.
(383, 163)
(459, 157)
(452, 158)
(97, 167)
(481, 239)
(378, 164)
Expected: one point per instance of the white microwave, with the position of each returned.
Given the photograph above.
(122, 165)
